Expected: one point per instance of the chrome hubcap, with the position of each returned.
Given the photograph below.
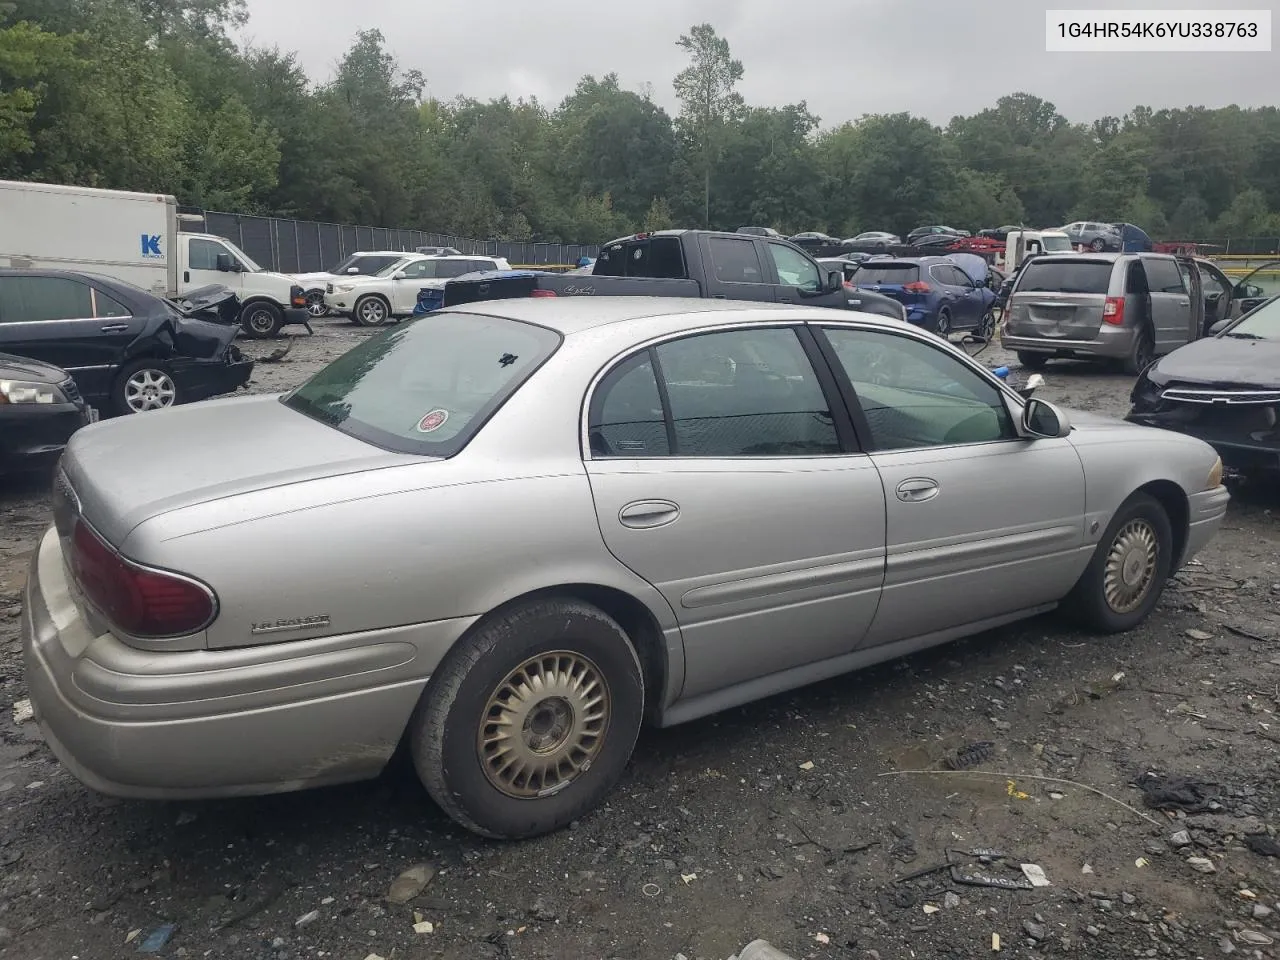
(149, 390)
(543, 725)
(1131, 566)
(371, 312)
(315, 304)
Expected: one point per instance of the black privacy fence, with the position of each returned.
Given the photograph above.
(307, 246)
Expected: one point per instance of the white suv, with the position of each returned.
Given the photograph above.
(362, 263)
(372, 301)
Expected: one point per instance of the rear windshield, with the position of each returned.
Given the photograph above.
(872, 273)
(655, 257)
(1065, 276)
(427, 386)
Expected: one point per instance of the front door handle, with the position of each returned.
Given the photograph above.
(917, 489)
(186, 276)
(115, 328)
(647, 514)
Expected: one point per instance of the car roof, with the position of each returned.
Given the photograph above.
(110, 284)
(573, 315)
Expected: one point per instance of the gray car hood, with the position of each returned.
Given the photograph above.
(127, 470)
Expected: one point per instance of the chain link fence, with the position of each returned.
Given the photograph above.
(308, 246)
(1240, 246)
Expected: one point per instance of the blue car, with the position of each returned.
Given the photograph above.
(941, 294)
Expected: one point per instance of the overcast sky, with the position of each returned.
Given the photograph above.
(934, 58)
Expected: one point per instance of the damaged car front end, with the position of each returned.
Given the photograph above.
(1223, 389)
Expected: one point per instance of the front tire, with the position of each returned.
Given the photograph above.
(261, 320)
(1098, 245)
(1127, 574)
(316, 307)
(371, 311)
(530, 720)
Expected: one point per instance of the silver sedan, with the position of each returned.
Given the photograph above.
(509, 533)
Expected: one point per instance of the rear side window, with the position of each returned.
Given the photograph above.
(626, 412)
(873, 273)
(735, 261)
(34, 299)
(368, 266)
(1065, 276)
(660, 257)
(426, 388)
(1163, 276)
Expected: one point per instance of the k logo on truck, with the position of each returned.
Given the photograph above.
(151, 247)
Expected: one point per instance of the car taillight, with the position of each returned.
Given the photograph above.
(144, 603)
(1113, 311)
(849, 286)
(916, 286)
(542, 293)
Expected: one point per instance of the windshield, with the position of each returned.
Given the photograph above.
(1263, 323)
(366, 265)
(1056, 244)
(1065, 276)
(244, 258)
(426, 387)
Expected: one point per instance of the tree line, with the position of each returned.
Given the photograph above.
(155, 95)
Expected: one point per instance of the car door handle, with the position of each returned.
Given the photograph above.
(917, 489)
(647, 514)
(115, 328)
(1184, 303)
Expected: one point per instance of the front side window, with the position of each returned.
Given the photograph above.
(735, 261)
(367, 266)
(794, 269)
(36, 299)
(426, 388)
(916, 395)
(204, 254)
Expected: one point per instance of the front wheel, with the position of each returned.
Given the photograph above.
(530, 720)
(1098, 245)
(261, 320)
(371, 311)
(987, 328)
(1126, 576)
(316, 307)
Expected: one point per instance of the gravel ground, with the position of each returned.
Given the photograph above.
(795, 819)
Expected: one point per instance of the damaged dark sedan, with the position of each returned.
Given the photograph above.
(1223, 389)
(128, 351)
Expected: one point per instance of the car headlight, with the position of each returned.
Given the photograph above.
(24, 391)
(1215, 476)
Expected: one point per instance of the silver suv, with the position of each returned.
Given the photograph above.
(1127, 307)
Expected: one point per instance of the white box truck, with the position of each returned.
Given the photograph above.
(134, 237)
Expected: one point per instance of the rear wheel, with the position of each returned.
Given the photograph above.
(1142, 354)
(261, 320)
(1126, 576)
(1033, 361)
(530, 720)
(316, 307)
(371, 311)
(942, 326)
(1098, 245)
(987, 328)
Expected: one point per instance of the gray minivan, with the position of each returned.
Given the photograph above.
(1127, 307)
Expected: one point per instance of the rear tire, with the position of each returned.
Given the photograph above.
(1127, 574)
(562, 742)
(1142, 354)
(261, 320)
(1098, 245)
(942, 326)
(1033, 361)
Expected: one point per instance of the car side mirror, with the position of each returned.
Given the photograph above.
(1218, 327)
(226, 263)
(1042, 419)
(400, 275)
(835, 281)
(353, 270)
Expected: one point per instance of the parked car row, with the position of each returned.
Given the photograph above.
(77, 344)
(391, 291)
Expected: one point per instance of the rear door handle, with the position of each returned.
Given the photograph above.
(115, 328)
(917, 489)
(647, 514)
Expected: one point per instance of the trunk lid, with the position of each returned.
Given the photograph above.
(121, 472)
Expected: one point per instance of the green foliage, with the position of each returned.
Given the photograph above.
(155, 95)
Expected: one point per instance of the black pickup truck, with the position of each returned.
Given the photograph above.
(687, 263)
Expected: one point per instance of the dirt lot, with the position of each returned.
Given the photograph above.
(795, 820)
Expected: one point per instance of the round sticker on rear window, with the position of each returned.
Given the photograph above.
(433, 421)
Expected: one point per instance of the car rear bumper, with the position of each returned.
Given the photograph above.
(32, 435)
(1112, 343)
(208, 723)
(297, 316)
